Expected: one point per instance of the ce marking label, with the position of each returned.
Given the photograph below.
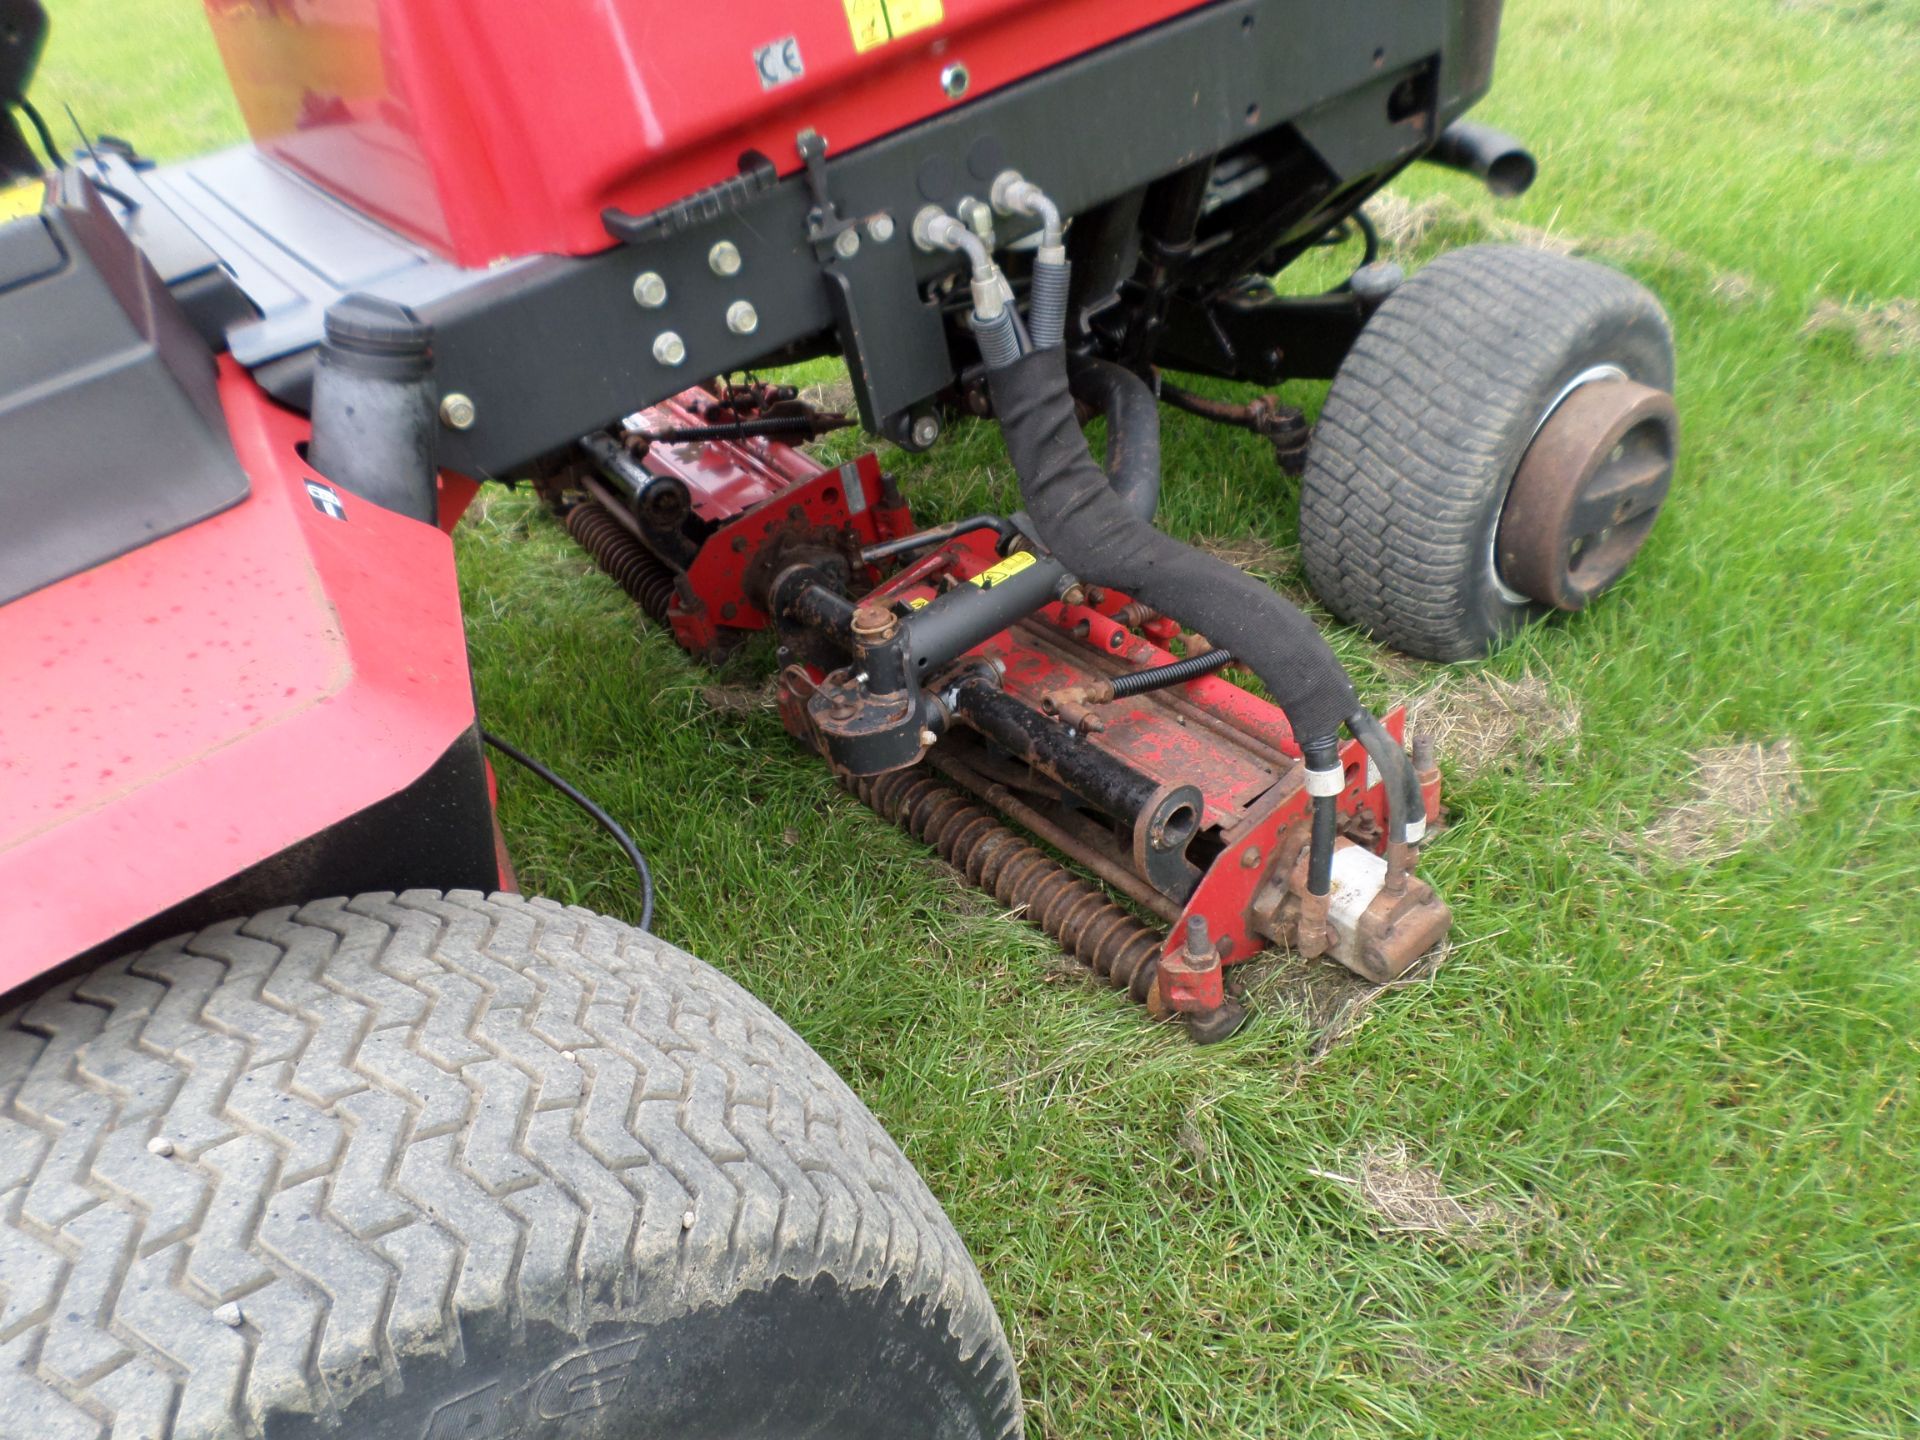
(778, 62)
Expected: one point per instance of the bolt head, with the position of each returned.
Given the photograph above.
(649, 289)
(847, 244)
(724, 258)
(926, 430)
(456, 411)
(669, 348)
(954, 80)
(880, 229)
(742, 318)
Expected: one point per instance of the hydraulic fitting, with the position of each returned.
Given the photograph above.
(1012, 194)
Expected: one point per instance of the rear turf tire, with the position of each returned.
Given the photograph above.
(428, 1167)
(1427, 421)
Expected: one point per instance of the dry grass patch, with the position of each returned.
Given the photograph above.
(1734, 289)
(1481, 721)
(741, 699)
(1891, 327)
(1405, 1195)
(1327, 999)
(1406, 225)
(834, 394)
(1401, 1194)
(1739, 793)
(1542, 1347)
(1254, 554)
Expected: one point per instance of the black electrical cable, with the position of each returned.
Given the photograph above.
(1139, 682)
(40, 128)
(600, 817)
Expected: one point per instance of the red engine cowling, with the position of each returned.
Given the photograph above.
(494, 128)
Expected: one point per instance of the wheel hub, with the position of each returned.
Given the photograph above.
(1587, 492)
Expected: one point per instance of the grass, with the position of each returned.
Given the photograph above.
(1676, 1099)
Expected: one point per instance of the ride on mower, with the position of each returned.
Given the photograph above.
(312, 1125)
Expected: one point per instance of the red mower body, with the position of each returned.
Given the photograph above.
(191, 709)
(495, 128)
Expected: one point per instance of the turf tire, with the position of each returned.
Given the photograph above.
(1426, 422)
(457, 1167)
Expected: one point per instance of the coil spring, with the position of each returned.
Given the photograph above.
(1088, 925)
(634, 568)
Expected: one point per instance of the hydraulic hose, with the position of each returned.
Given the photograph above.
(1406, 807)
(1133, 431)
(1047, 303)
(1325, 780)
(1096, 529)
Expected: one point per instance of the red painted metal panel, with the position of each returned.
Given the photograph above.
(492, 128)
(175, 715)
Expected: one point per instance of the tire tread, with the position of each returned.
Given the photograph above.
(399, 1117)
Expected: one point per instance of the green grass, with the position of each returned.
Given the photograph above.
(1692, 1088)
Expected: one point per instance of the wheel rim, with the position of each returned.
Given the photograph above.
(1587, 491)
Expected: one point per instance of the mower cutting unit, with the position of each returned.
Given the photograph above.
(1044, 703)
(436, 1162)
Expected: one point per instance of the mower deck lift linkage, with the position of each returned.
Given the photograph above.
(936, 663)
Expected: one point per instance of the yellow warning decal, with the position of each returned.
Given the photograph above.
(918, 602)
(21, 200)
(1005, 570)
(875, 22)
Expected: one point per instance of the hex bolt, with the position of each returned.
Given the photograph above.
(456, 411)
(847, 244)
(669, 348)
(1250, 857)
(926, 430)
(649, 289)
(724, 258)
(880, 229)
(954, 80)
(742, 318)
